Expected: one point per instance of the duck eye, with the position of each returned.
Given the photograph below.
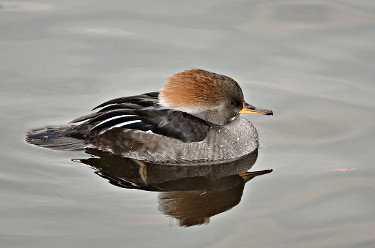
(235, 103)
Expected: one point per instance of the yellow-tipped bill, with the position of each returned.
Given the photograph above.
(249, 109)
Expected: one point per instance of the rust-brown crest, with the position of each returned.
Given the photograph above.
(191, 89)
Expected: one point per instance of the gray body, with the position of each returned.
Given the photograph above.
(231, 141)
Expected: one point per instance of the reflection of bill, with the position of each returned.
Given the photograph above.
(190, 193)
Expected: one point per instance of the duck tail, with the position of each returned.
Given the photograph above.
(65, 138)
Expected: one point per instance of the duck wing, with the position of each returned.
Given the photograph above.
(143, 113)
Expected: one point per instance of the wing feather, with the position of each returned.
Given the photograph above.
(143, 113)
(145, 100)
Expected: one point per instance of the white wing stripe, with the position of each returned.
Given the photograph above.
(124, 124)
(112, 118)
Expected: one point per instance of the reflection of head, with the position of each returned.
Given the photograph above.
(196, 207)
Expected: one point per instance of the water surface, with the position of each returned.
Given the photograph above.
(311, 62)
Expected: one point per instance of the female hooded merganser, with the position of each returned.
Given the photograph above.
(194, 118)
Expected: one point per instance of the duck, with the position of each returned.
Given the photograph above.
(195, 117)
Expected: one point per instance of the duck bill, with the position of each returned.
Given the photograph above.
(250, 175)
(249, 109)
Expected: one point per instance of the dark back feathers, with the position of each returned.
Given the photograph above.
(143, 113)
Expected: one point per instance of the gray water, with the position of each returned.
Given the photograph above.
(311, 62)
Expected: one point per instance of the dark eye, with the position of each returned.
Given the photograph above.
(235, 103)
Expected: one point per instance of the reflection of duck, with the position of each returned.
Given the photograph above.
(196, 207)
(189, 193)
(195, 117)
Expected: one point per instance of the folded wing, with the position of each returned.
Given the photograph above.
(143, 113)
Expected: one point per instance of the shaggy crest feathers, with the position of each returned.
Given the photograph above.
(196, 90)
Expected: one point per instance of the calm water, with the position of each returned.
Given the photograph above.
(311, 62)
